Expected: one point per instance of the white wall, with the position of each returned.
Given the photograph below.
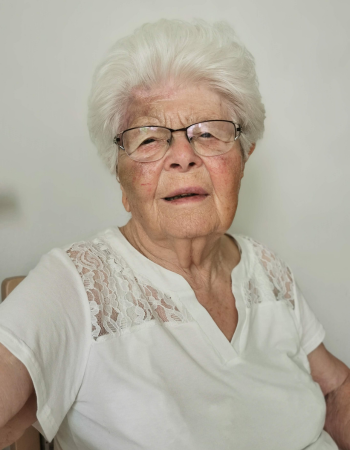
(295, 195)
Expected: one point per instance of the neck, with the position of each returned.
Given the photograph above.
(200, 260)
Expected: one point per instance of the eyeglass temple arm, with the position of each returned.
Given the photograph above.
(117, 141)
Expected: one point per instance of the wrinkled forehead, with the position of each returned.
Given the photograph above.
(174, 107)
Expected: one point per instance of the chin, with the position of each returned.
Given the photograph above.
(190, 227)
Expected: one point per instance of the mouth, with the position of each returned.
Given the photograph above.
(176, 197)
(186, 194)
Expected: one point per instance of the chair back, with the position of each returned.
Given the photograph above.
(8, 285)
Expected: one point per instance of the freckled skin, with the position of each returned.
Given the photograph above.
(187, 238)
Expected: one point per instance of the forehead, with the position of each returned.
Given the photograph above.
(174, 107)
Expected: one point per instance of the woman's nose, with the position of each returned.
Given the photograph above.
(180, 155)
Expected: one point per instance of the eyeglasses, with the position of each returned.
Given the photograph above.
(150, 143)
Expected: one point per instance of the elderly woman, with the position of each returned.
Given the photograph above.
(170, 333)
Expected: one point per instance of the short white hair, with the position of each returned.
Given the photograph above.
(177, 51)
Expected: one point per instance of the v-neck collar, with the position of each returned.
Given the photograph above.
(172, 283)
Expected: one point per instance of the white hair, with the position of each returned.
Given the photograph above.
(177, 51)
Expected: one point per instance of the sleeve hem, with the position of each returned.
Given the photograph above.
(315, 341)
(20, 350)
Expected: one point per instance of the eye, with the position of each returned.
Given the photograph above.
(206, 135)
(148, 141)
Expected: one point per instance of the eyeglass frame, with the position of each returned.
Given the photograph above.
(119, 137)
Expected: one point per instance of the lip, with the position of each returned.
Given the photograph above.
(187, 190)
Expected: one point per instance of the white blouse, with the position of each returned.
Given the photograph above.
(124, 357)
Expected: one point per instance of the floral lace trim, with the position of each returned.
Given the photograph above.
(278, 274)
(118, 300)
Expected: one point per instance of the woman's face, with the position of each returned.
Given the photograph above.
(146, 186)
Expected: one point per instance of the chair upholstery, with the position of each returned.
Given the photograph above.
(31, 439)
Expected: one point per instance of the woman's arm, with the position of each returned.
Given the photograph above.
(16, 426)
(16, 386)
(333, 376)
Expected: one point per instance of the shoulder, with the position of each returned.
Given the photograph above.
(104, 275)
(97, 254)
(270, 260)
(266, 268)
(119, 298)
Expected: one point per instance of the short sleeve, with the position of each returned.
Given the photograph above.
(281, 278)
(311, 330)
(45, 322)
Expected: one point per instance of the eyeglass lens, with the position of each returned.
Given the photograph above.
(147, 144)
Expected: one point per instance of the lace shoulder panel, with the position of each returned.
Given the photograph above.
(118, 299)
(279, 275)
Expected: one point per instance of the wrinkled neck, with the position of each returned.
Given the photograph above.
(201, 260)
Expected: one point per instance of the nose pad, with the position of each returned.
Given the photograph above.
(171, 139)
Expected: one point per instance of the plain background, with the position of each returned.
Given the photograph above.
(295, 194)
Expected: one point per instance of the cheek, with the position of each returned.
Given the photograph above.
(142, 181)
(139, 181)
(226, 174)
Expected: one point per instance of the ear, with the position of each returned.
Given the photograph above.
(117, 174)
(125, 200)
(252, 148)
